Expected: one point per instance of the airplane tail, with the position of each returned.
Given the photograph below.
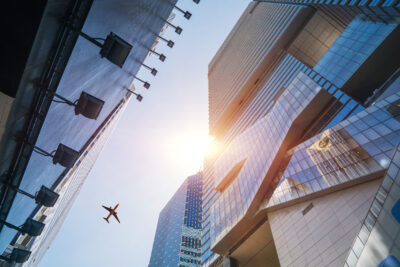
(106, 219)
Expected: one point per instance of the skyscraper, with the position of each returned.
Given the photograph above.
(177, 238)
(70, 74)
(303, 105)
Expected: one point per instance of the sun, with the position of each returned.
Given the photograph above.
(189, 148)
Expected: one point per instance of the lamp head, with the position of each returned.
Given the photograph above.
(178, 30)
(170, 43)
(46, 197)
(187, 15)
(32, 227)
(19, 255)
(89, 106)
(162, 57)
(65, 156)
(115, 49)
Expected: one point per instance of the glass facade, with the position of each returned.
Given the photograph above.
(258, 146)
(138, 23)
(377, 243)
(260, 30)
(69, 189)
(359, 146)
(353, 47)
(347, 37)
(178, 236)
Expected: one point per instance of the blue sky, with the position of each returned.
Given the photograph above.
(155, 146)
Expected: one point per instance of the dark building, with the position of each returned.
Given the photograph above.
(177, 241)
(303, 105)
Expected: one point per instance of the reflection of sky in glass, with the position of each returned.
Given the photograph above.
(167, 240)
(287, 69)
(354, 148)
(68, 192)
(87, 71)
(178, 233)
(259, 144)
(351, 49)
(358, 146)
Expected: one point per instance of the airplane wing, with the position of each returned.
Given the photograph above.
(116, 217)
(109, 209)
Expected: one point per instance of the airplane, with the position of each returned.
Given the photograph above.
(112, 212)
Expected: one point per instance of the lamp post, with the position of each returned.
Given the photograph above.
(145, 84)
(114, 48)
(178, 29)
(186, 14)
(63, 155)
(138, 96)
(87, 105)
(152, 70)
(30, 227)
(17, 255)
(44, 196)
(169, 42)
(161, 57)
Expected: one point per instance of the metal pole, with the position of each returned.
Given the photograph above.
(18, 190)
(84, 35)
(154, 52)
(66, 100)
(90, 39)
(160, 56)
(10, 225)
(41, 150)
(170, 24)
(138, 79)
(147, 67)
(180, 9)
(162, 38)
(138, 96)
(24, 193)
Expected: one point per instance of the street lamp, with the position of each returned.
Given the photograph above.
(178, 29)
(152, 70)
(114, 48)
(87, 105)
(63, 155)
(17, 255)
(161, 57)
(145, 84)
(44, 197)
(30, 227)
(138, 96)
(186, 14)
(169, 42)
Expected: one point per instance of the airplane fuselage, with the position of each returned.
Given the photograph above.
(112, 212)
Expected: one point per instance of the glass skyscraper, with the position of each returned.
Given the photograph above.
(73, 77)
(177, 240)
(304, 106)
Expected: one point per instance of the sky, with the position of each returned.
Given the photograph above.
(155, 146)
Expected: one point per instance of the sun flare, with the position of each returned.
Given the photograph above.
(189, 148)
